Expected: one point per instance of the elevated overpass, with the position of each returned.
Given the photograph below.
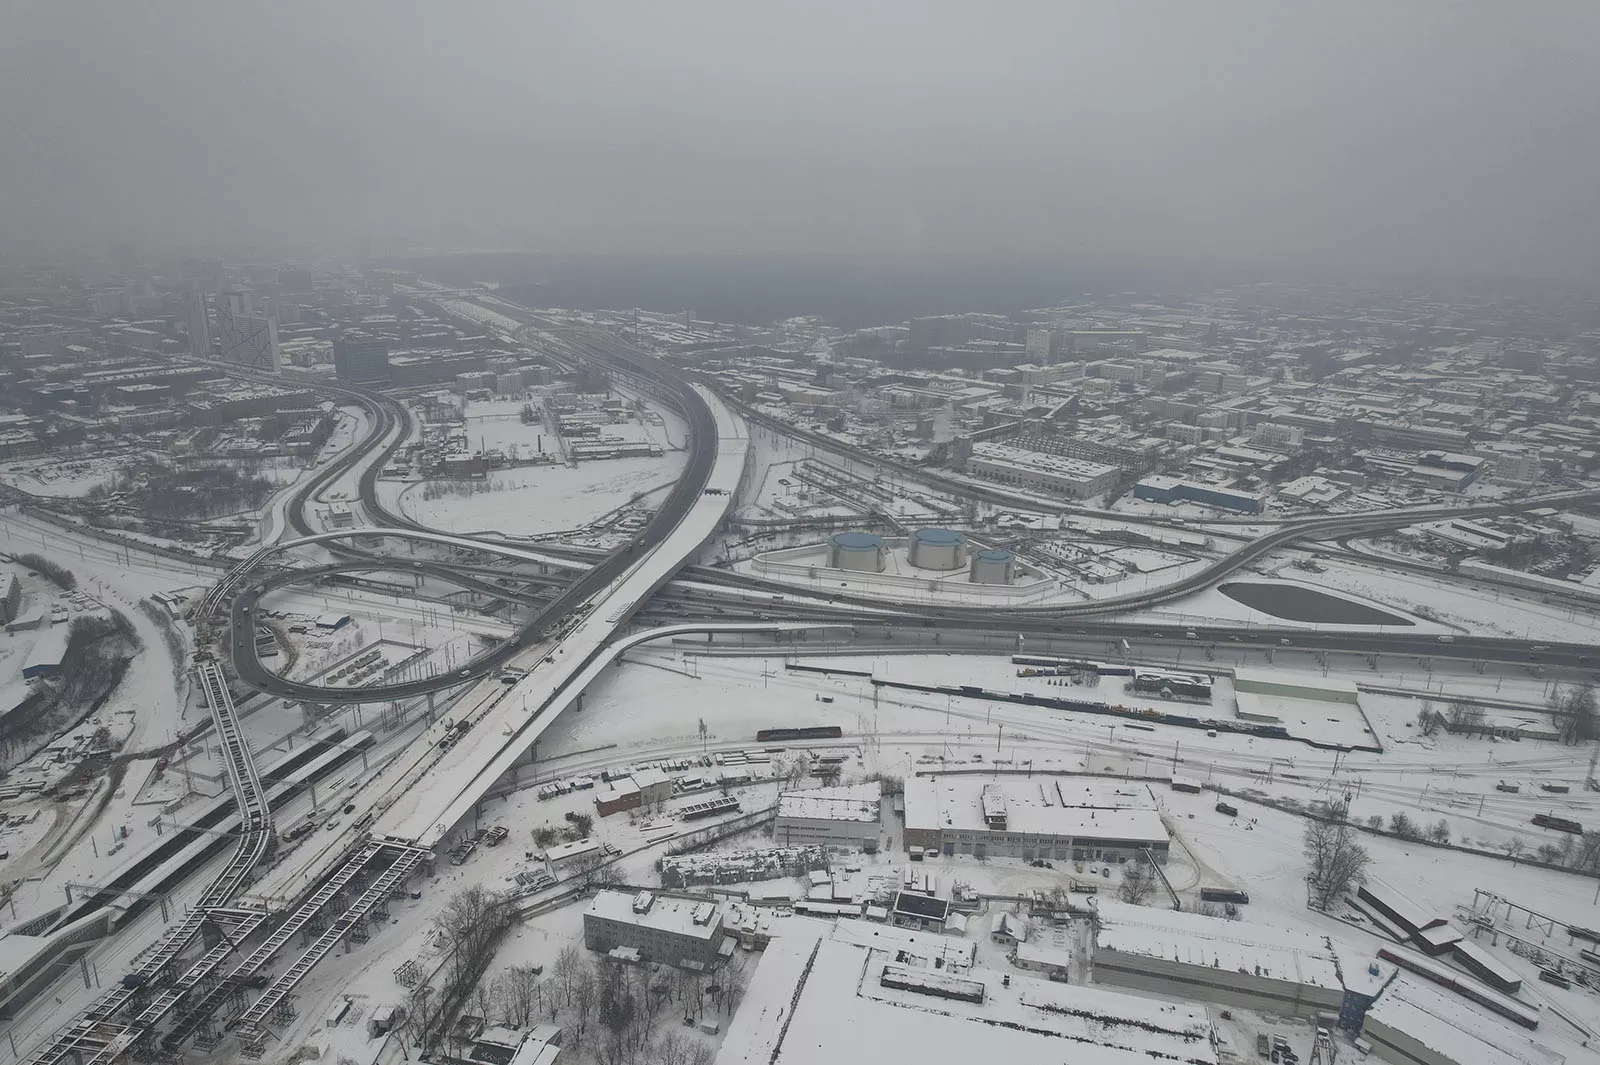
(493, 746)
(591, 611)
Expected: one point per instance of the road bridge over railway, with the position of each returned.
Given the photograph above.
(590, 612)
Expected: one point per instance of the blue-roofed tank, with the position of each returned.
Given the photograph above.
(856, 550)
(992, 566)
(942, 549)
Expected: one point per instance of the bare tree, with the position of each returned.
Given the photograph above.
(651, 992)
(891, 784)
(1336, 857)
(468, 927)
(1577, 718)
(618, 1012)
(584, 995)
(1514, 848)
(521, 997)
(672, 1048)
(689, 991)
(733, 982)
(1428, 719)
(1586, 854)
(1462, 716)
(1440, 831)
(1137, 881)
(564, 974)
(1375, 821)
(1402, 825)
(485, 999)
(796, 770)
(596, 871)
(420, 1014)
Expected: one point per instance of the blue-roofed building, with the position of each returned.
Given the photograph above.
(1158, 488)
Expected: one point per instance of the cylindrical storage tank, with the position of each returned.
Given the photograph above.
(857, 551)
(937, 549)
(992, 566)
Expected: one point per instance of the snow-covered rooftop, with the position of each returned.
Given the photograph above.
(664, 913)
(852, 802)
(843, 1013)
(1455, 1027)
(1214, 942)
(956, 802)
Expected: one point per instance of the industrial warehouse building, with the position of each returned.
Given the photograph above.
(1273, 970)
(657, 928)
(1291, 685)
(860, 992)
(1291, 973)
(1160, 488)
(1031, 818)
(1413, 1023)
(849, 816)
(1039, 471)
(1273, 696)
(645, 787)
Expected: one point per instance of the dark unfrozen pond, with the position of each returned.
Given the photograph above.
(1294, 603)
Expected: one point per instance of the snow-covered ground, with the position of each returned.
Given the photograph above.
(152, 702)
(533, 500)
(66, 477)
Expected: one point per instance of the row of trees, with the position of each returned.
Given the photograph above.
(468, 929)
(1574, 710)
(1402, 825)
(1575, 713)
(158, 490)
(610, 1008)
(1458, 716)
(56, 574)
(1338, 861)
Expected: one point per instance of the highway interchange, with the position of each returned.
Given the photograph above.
(389, 429)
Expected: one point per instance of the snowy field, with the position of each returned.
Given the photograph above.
(537, 500)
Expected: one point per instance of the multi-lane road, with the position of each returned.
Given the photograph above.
(389, 428)
(550, 618)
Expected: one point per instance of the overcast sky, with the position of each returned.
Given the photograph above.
(1382, 136)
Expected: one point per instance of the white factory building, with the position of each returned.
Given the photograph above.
(860, 992)
(1036, 817)
(849, 817)
(1273, 970)
(1040, 472)
(656, 927)
(1414, 1023)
